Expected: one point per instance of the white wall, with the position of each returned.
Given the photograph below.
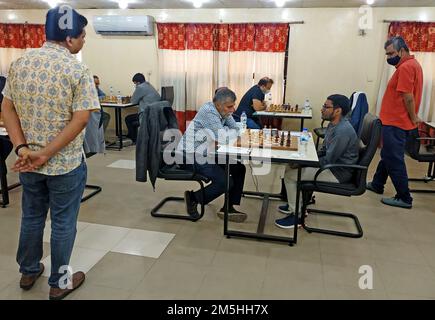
(326, 53)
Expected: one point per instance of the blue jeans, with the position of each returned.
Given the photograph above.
(393, 162)
(216, 173)
(62, 195)
(251, 124)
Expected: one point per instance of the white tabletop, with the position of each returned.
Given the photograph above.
(116, 105)
(302, 115)
(431, 124)
(305, 154)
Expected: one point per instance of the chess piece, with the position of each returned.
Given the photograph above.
(297, 107)
(282, 139)
(289, 141)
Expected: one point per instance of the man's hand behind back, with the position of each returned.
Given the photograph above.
(29, 161)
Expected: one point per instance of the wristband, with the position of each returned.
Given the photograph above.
(24, 145)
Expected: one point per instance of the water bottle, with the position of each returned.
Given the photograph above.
(305, 136)
(303, 141)
(244, 120)
(268, 99)
(307, 106)
(119, 98)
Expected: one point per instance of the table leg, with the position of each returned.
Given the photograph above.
(119, 119)
(298, 195)
(227, 194)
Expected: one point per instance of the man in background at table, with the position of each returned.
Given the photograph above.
(144, 94)
(340, 146)
(399, 118)
(105, 117)
(253, 101)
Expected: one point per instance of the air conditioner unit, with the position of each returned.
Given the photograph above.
(124, 25)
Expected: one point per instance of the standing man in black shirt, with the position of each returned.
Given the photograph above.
(253, 101)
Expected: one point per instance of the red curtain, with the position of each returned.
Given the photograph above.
(242, 37)
(221, 37)
(200, 36)
(420, 36)
(172, 36)
(21, 36)
(271, 37)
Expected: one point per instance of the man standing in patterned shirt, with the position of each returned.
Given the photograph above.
(47, 103)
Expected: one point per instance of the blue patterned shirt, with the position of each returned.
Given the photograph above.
(208, 126)
(47, 86)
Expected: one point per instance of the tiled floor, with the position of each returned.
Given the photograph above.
(116, 230)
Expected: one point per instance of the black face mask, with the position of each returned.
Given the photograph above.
(394, 61)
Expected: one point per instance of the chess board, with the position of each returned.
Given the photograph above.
(284, 108)
(268, 139)
(114, 99)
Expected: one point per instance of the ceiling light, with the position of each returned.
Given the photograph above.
(52, 3)
(280, 3)
(123, 5)
(370, 2)
(12, 16)
(197, 3)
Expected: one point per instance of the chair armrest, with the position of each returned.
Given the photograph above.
(330, 166)
(426, 138)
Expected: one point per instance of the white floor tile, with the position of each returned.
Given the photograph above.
(123, 164)
(144, 243)
(100, 237)
(47, 231)
(82, 259)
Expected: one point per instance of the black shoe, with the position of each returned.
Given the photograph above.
(233, 215)
(191, 205)
(371, 188)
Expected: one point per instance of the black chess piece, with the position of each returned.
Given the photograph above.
(282, 139)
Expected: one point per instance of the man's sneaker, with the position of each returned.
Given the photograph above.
(287, 222)
(233, 215)
(373, 189)
(27, 282)
(396, 202)
(58, 294)
(191, 206)
(285, 209)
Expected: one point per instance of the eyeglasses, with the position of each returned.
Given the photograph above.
(326, 107)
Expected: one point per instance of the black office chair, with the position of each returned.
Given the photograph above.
(320, 133)
(370, 135)
(168, 95)
(177, 172)
(97, 189)
(5, 149)
(422, 153)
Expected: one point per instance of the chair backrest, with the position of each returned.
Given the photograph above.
(370, 137)
(168, 95)
(171, 120)
(359, 108)
(413, 145)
